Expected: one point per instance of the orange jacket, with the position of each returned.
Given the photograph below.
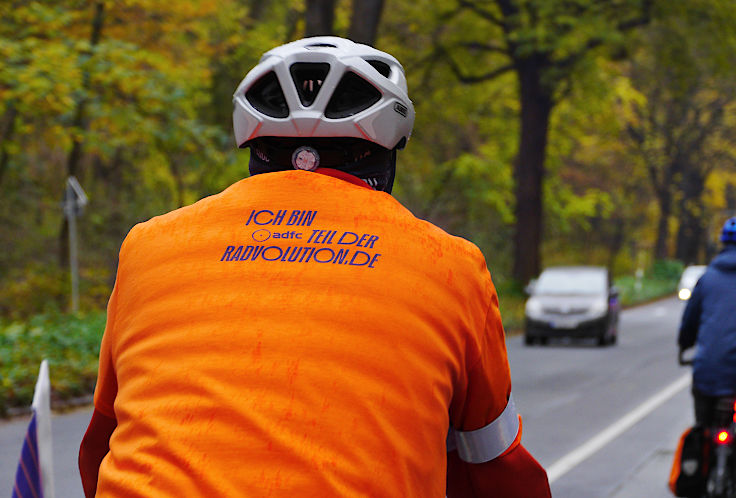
(296, 334)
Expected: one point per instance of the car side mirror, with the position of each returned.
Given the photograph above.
(529, 289)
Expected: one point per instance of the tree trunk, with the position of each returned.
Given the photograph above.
(616, 241)
(729, 192)
(8, 128)
(257, 8)
(536, 107)
(178, 178)
(79, 123)
(691, 231)
(689, 238)
(319, 17)
(364, 21)
(664, 199)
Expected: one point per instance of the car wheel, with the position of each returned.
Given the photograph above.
(543, 340)
(614, 333)
(604, 338)
(607, 334)
(528, 340)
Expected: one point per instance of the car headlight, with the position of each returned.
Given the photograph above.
(533, 307)
(599, 307)
(684, 294)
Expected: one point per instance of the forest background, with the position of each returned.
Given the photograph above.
(547, 131)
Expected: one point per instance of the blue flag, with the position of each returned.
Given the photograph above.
(34, 477)
(28, 475)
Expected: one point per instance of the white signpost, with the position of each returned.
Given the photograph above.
(74, 201)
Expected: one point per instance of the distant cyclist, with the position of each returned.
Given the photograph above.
(302, 333)
(709, 321)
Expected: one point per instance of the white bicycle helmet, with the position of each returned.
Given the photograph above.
(324, 87)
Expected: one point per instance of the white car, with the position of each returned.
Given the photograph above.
(572, 301)
(689, 278)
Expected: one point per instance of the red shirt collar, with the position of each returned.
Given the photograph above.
(336, 173)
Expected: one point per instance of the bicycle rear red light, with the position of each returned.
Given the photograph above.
(723, 437)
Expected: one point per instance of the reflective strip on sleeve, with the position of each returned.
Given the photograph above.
(486, 443)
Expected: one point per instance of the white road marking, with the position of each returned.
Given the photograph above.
(566, 463)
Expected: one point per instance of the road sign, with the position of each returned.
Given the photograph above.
(74, 198)
(74, 201)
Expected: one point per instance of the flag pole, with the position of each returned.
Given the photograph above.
(42, 409)
(35, 477)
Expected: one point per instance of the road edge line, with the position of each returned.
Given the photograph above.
(582, 452)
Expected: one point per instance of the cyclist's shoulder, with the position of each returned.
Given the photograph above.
(457, 245)
(177, 220)
(720, 273)
(724, 263)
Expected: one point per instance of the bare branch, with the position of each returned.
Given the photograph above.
(471, 79)
(483, 47)
(450, 14)
(485, 14)
(635, 22)
(575, 57)
(623, 26)
(706, 127)
(636, 134)
(717, 158)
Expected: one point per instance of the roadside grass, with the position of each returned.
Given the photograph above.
(71, 343)
(632, 291)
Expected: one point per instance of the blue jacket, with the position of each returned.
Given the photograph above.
(709, 321)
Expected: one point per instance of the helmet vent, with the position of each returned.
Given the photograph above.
(352, 95)
(380, 66)
(317, 46)
(267, 96)
(728, 234)
(308, 78)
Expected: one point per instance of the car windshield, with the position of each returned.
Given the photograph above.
(572, 281)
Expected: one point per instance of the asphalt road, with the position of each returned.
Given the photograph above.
(603, 421)
(67, 430)
(632, 398)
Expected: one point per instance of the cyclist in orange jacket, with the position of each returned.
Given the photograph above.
(302, 333)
